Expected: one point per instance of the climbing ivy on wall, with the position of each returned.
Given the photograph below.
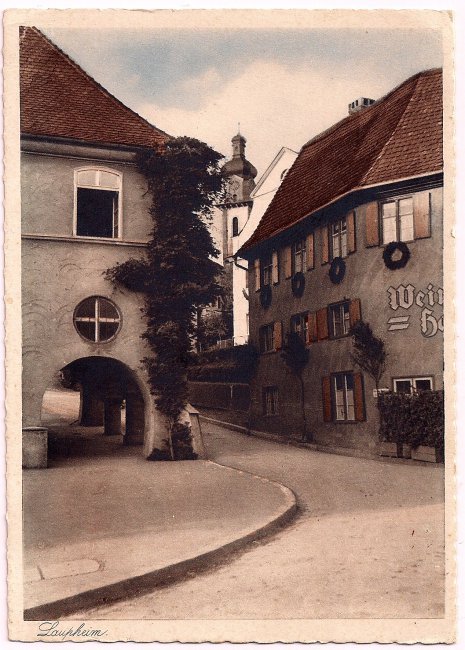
(178, 273)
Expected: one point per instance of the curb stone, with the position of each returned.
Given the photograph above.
(137, 585)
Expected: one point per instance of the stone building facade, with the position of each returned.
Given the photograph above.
(85, 208)
(355, 232)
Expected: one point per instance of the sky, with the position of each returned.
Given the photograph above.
(282, 86)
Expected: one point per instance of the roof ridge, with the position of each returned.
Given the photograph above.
(393, 132)
(81, 71)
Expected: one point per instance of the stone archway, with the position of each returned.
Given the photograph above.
(109, 397)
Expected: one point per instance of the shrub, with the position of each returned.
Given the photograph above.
(236, 364)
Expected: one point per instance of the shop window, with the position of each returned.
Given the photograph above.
(97, 203)
(270, 400)
(339, 319)
(409, 385)
(97, 319)
(299, 326)
(267, 343)
(397, 220)
(299, 256)
(338, 235)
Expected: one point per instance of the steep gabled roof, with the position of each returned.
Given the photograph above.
(400, 136)
(59, 99)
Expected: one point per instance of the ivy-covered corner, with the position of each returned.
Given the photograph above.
(178, 274)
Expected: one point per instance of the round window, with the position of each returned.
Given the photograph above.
(97, 319)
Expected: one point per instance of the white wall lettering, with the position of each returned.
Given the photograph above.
(407, 296)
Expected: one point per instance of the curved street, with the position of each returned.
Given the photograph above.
(368, 543)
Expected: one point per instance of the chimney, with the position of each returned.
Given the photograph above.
(359, 104)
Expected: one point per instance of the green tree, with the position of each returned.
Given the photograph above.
(296, 357)
(178, 273)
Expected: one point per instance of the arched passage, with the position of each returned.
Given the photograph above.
(104, 394)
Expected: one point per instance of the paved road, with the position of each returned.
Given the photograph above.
(368, 543)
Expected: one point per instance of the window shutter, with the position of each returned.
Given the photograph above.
(326, 387)
(350, 220)
(322, 323)
(372, 224)
(278, 335)
(359, 401)
(312, 332)
(324, 245)
(310, 252)
(355, 312)
(275, 261)
(287, 262)
(257, 274)
(422, 215)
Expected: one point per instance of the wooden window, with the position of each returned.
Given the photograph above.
(310, 251)
(327, 402)
(422, 214)
(338, 235)
(351, 242)
(257, 275)
(312, 331)
(339, 319)
(266, 336)
(355, 311)
(299, 256)
(347, 398)
(322, 323)
(270, 400)
(267, 269)
(278, 335)
(409, 385)
(299, 326)
(97, 203)
(287, 262)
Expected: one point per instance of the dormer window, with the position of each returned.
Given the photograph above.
(97, 203)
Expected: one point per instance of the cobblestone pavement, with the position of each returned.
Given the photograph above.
(369, 543)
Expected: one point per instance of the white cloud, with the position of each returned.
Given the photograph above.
(275, 105)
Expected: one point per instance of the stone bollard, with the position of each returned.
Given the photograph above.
(35, 447)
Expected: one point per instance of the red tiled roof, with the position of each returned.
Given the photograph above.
(399, 136)
(59, 99)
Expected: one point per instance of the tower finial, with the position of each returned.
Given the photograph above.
(239, 128)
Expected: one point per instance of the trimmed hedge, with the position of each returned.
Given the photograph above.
(236, 364)
(416, 419)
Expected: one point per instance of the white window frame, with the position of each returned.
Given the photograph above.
(339, 238)
(398, 220)
(412, 380)
(344, 400)
(97, 170)
(344, 313)
(266, 265)
(299, 254)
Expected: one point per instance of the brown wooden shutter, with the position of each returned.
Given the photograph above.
(275, 262)
(359, 400)
(350, 220)
(278, 335)
(257, 274)
(310, 252)
(355, 311)
(287, 262)
(422, 215)
(324, 245)
(372, 224)
(312, 332)
(326, 389)
(322, 323)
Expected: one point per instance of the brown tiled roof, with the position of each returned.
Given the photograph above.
(59, 99)
(398, 137)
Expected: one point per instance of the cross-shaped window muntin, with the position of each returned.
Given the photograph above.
(97, 319)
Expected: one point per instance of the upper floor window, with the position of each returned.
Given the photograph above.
(299, 256)
(267, 342)
(397, 220)
(235, 226)
(267, 269)
(338, 235)
(299, 326)
(97, 203)
(97, 319)
(339, 319)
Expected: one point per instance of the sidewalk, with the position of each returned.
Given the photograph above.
(100, 527)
